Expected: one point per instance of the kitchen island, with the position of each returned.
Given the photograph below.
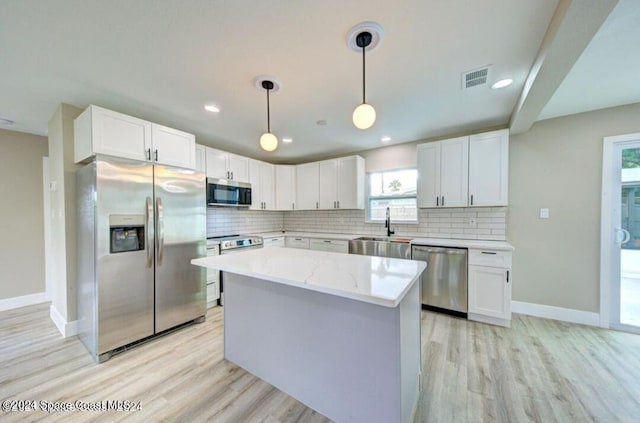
(338, 332)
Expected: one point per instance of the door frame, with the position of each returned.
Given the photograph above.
(609, 179)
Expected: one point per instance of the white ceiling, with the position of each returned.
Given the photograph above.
(163, 60)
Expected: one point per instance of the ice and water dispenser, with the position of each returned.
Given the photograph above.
(126, 233)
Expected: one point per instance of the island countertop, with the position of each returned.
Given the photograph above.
(376, 280)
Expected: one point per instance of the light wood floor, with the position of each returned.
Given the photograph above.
(539, 370)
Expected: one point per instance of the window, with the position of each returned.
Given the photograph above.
(395, 189)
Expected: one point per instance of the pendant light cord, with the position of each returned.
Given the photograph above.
(363, 76)
(268, 114)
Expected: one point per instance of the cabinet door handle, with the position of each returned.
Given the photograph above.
(156, 154)
(293, 206)
(228, 175)
(334, 204)
(472, 199)
(338, 203)
(443, 200)
(316, 204)
(437, 200)
(232, 174)
(507, 276)
(149, 154)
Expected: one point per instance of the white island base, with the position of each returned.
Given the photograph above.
(350, 360)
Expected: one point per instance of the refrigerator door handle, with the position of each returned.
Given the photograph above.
(147, 231)
(159, 229)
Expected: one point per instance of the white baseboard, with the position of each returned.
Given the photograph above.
(556, 313)
(23, 301)
(67, 329)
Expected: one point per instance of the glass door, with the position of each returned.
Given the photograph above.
(625, 296)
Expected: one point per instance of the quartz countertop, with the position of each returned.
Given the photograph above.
(464, 243)
(376, 280)
(415, 240)
(345, 237)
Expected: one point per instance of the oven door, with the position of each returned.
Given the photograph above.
(228, 193)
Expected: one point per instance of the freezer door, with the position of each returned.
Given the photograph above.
(181, 228)
(124, 252)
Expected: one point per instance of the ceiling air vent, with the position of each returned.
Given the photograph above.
(475, 78)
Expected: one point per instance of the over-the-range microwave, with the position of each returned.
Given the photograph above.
(224, 192)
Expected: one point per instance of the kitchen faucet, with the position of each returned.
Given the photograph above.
(387, 223)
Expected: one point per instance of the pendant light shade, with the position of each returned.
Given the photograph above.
(268, 141)
(364, 116)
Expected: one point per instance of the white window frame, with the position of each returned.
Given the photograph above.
(368, 199)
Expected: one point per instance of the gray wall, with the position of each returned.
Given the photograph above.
(21, 214)
(558, 164)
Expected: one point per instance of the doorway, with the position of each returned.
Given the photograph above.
(620, 230)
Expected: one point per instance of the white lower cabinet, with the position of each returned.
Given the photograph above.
(273, 241)
(332, 245)
(213, 279)
(490, 286)
(296, 242)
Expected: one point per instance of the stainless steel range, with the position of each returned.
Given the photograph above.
(231, 244)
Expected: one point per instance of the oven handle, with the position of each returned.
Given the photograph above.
(239, 250)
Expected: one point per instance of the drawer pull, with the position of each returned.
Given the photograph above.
(489, 252)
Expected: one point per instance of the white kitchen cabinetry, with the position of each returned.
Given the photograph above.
(102, 131)
(262, 179)
(307, 186)
(223, 165)
(213, 279)
(489, 169)
(285, 187)
(342, 183)
(296, 242)
(201, 159)
(443, 170)
(490, 286)
(333, 245)
(273, 241)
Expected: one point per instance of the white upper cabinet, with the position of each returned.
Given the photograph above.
(201, 160)
(328, 184)
(102, 131)
(307, 186)
(285, 181)
(489, 169)
(341, 183)
(350, 180)
(223, 165)
(443, 168)
(173, 147)
(261, 177)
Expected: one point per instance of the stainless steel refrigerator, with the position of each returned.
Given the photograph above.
(139, 227)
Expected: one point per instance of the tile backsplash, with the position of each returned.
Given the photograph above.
(228, 220)
(488, 223)
(463, 223)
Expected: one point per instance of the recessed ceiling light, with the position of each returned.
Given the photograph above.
(287, 140)
(502, 83)
(212, 108)
(7, 122)
(386, 138)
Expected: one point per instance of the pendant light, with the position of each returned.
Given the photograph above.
(364, 37)
(364, 116)
(268, 141)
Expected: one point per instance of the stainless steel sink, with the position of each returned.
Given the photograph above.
(394, 247)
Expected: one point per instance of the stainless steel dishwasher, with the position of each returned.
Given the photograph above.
(444, 282)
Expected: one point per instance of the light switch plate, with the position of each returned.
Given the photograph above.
(544, 213)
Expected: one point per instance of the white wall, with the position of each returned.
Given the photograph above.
(558, 164)
(63, 207)
(21, 214)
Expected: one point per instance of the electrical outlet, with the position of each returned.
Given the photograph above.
(544, 213)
